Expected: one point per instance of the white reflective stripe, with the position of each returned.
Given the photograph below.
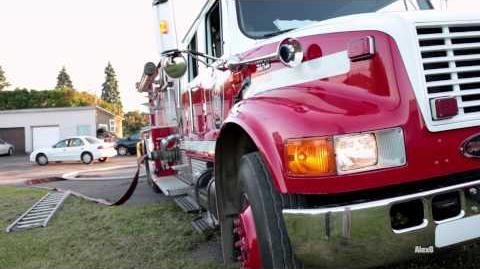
(207, 146)
(323, 67)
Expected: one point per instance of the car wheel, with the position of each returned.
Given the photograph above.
(10, 152)
(260, 219)
(87, 158)
(102, 160)
(41, 159)
(122, 151)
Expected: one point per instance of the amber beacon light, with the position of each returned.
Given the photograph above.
(164, 27)
(310, 157)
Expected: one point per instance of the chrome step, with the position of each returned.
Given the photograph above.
(40, 213)
(203, 224)
(187, 203)
(179, 167)
(172, 186)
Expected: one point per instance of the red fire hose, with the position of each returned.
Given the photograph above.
(125, 197)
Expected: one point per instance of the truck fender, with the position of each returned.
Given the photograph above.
(247, 133)
(241, 133)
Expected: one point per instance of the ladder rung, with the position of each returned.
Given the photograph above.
(41, 210)
(23, 222)
(28, 226)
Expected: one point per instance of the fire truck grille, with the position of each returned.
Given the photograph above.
(451, 64)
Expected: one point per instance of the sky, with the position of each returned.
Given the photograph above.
(38, 37)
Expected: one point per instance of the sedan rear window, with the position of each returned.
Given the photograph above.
(76, 142)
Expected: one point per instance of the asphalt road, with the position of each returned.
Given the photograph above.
(18, 169)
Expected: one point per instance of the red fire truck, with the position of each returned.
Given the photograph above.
(319, 133)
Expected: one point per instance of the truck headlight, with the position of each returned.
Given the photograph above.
(356, 151)
(370, 151)
(345, 154)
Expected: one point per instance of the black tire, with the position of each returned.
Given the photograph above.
(122, 151)
(266, 203)
(150, 182)
(102, 160)
(10, 151)
(41, 159)
(86, 158)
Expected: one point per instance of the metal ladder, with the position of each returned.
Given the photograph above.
(40, 213)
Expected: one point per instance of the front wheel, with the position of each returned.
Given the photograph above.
(260, 233)
(41, 159)
(87, 158)
(10, 152)
(102, 160)
(122, 151)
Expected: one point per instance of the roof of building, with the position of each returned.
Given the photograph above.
(56, 109)
(108, 112)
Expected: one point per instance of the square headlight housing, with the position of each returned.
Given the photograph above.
(355, 152)
(369, 151)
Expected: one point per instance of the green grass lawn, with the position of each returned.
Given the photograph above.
(87, 235)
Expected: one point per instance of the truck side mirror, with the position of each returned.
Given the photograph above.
(290, 52)
(175, 66)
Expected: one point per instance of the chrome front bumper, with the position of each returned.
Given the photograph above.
(361, 235)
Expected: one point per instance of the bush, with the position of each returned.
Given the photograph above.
(61, 97)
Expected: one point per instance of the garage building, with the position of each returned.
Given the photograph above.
(30, 129)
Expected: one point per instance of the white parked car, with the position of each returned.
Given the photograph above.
(79, 148)
(6, 148)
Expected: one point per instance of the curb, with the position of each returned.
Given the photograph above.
(43, 180)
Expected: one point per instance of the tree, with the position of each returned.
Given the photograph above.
(110, 93)
(3, 80)
(63, 80)
(134, 121)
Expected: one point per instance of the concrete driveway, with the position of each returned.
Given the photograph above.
(18, 169)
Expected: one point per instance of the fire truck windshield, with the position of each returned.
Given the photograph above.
(265, 18)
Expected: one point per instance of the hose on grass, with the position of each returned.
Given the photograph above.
(123, 199)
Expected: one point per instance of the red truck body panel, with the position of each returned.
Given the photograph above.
(375, 94)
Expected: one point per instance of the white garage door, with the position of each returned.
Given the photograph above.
(44, 137)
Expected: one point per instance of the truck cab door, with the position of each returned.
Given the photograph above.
(215, 46)
(210, 40)
(195, 83)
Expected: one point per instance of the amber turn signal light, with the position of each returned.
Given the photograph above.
(310, 157)
(163, 27)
